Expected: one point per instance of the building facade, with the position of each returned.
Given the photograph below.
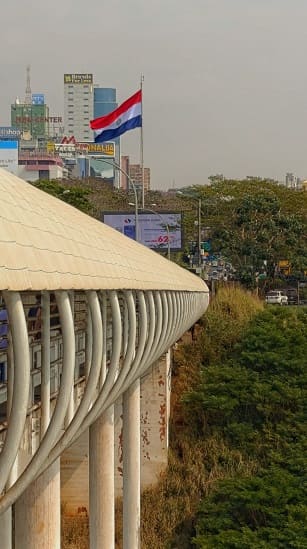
(78, 106)
(31, 119)
(292, 182)
(135, 173)
(104, 103)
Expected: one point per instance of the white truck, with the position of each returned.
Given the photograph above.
(276, 297)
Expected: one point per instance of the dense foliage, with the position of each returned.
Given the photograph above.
(255, 223)
(256, 402)
(196, 462)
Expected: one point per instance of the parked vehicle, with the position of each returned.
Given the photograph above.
(276, 297)
(292, 295)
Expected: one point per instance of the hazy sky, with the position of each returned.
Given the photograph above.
(225, 87)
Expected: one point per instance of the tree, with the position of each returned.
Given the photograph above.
(256, 402)
(253, 221)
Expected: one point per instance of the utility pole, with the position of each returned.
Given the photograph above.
(199, 232)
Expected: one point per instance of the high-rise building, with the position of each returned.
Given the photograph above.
(104, 103)
(78, 106)
(135, 172)
(30, 118)
(124, 183)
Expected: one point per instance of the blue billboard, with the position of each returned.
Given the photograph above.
(9, 155)
(157, 230)
(38, 99)
(7, 132)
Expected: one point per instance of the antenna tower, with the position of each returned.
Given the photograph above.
(28, 97)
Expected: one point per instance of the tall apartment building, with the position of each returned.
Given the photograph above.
(135, 173)
(78, 106)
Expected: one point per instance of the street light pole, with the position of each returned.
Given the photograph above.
(136, 202)
(198, 200)
(199, 232)
(167, 230)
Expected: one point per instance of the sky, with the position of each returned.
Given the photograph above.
(225, 81)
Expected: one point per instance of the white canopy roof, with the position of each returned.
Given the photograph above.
(48, 245)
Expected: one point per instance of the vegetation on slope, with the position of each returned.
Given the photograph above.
(169, 509)
(256, 402)
(237, 475)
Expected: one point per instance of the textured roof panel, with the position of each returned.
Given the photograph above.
(47, 244)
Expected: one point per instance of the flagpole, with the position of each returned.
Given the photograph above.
(142, 146)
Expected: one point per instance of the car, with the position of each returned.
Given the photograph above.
(292, 295)
(276, 297)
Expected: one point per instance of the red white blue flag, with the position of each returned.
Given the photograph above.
(126, 117)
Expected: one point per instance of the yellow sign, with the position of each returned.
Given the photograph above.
(78, 78)
(284, 267)
(102, 149)
(50, 147)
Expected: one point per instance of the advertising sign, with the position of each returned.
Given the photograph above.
(100, 149)
(38, 119)
(38, 99)
(93, 149)
(78, 79)
(156, 230)
(7, 132)
(9, 156)
(64, 149)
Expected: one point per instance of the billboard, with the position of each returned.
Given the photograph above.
(38, 119)
(38, 99)
(156, 229)
(100, 149)
(9, 156)
(7, 132)
(78, 79)
(93, 149)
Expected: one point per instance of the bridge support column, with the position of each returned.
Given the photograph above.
(101, 482)
(6, 529)
(38, 512)
(131, 467)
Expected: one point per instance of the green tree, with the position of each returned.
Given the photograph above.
(256, 402)
(74, 194)
(252, 221)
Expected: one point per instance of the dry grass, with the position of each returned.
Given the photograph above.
(75, 532)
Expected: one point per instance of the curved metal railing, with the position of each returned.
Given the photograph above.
(126, 332)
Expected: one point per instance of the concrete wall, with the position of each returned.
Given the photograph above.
(155, 404)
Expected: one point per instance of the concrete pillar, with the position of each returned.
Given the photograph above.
(131, 467)
(6, 529)
(38, 512)
(101, 482)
